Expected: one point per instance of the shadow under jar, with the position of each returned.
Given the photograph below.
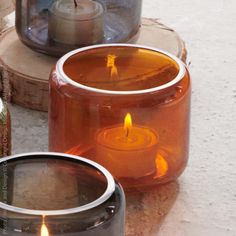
(52, 194)
(56, 27)
(126, 107)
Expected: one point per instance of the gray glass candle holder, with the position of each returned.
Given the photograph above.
(49, 194)
(56, 27)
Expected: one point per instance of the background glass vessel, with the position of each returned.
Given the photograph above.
(125, 106)
(61, 194)
(40, 24)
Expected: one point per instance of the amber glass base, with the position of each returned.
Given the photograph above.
(164, 171)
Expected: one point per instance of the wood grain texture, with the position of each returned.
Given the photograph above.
(27, 72)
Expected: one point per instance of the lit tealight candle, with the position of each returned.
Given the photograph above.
(128, 150)
(76, 22)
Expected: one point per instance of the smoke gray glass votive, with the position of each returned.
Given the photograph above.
(56, 27)
(52, 194)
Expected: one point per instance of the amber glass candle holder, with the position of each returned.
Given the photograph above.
(125, 106)
(56, 27)
(52, 194)
(5, 129)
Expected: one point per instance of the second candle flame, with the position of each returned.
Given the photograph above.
(111, 63)
(128, 124)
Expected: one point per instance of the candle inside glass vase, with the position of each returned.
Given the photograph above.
(78, 22)
(128, 150)
(91, 91)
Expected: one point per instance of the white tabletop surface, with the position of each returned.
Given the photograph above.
(203, 201)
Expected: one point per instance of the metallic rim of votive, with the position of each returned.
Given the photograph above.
(104, 197)
(62, 60)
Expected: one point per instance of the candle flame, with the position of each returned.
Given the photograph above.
(128, 124)
(44, 229)
(111, 63)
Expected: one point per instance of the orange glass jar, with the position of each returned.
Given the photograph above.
(124, 106)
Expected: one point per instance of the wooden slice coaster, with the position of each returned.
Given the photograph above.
(24, 73)
(6, 7)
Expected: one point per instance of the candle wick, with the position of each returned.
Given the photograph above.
(127, 132)
(76, 4)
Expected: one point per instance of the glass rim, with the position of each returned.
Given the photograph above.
(104, 197)
(1, 105)
(63, 59)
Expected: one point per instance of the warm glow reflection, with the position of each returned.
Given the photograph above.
(128, 124)
(44, 229)
(111, 63)
(161, 166)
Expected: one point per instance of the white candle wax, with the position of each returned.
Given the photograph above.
(76, 24)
